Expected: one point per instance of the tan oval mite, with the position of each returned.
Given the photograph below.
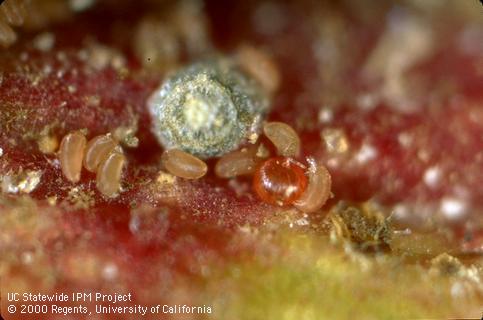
(97, 149)
(14, 12)
(318, 189)
(7, 35)
(109, 174)
(237, 163)
(259, 65)
(284, 137)
(71, 153)
(184, 165)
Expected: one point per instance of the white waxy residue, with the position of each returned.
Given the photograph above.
(44, 42)
(110, 271)
(335, 140)
(453, 208)
(400, 211)
(365, 154)
(405, 139)
(407, 40)
(81, 5)
(432, 176)
(149, 224)
(325, 115)
(23, 182)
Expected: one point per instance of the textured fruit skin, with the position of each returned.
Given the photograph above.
(173, 241)
(207, 109)
(279, 181)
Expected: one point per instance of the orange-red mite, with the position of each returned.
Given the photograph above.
(280, 181)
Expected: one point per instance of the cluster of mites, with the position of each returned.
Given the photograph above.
(102, 155)
(279, 180)
(206, 110)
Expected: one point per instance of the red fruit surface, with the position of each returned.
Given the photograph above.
(410, 141)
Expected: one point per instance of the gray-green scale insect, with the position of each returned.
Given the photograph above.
(207, 109)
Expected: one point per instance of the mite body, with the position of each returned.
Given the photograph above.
(184, 165)
(281, 180)
(209, 110)
(71, 152)
(102, 155)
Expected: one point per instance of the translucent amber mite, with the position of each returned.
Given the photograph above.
(280, 181)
